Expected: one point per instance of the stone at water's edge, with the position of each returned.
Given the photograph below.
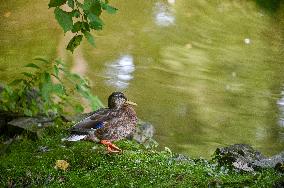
(5, 117)
(144, 132)
(12, 124)
(31, 125)
(244, 157)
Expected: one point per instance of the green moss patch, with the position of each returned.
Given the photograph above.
(32, 163)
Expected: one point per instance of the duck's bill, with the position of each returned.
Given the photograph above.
(131, 103)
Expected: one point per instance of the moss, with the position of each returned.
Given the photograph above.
(24, 163)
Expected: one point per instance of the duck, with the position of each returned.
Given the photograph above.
(106, 125)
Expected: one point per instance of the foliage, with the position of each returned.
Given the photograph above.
(83, 17)
(46, 90)
(91, 166)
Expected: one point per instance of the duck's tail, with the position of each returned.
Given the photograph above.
(74, 138)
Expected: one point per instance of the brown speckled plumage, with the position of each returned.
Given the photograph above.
(116, 122)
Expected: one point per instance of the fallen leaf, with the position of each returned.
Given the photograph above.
(61, 164)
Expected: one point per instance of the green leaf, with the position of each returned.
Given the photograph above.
(58, 62)
(79, 108)
(70, 3)
(34, 108)
(74, 42)
(42, 59)
(56, 70)
(32, 65)
(79, 4)
(47, 78)
(80, 26)
(85, 27)
(95, 8)
(96, 26)
(8, 90)
(87, 4)
(75, 76)
(26, 83)
(59, 89)
(15, 82)
(78, 88)
(28, 112)
(27, 74)
(4, 108)
(95, 102)
(45, 91)
(64, 19)
(76, 27)
(89, 38)
(95, 22)
(92, 6)
(63, 69)
(76, 13)
(109, 9)
(46, 86)
(56, 3)
(34, 102)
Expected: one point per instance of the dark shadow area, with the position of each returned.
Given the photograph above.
(269, 5)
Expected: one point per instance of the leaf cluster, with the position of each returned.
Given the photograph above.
(48, 89)
(85, 16)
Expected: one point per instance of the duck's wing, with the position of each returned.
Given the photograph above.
(95, 120)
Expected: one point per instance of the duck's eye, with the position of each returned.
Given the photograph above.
(118, 95)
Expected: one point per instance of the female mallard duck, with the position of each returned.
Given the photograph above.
(106, 125)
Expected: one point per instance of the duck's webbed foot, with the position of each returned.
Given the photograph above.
(111, 147)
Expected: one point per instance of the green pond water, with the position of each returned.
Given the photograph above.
(204, 73)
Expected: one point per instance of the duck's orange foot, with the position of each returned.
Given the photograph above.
(111, 147)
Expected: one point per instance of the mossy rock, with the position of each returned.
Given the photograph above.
(244, 157)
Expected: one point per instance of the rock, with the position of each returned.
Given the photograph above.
(270, 162)
(239, 153)
(239, 164)
(33, 126)
(280, 167)
(144, 132)
(2, 124)
(181, 158)
(244, 157)
(5, 117)
(279, 183)
(43, 149)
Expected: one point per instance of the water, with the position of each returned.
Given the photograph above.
(204, 73)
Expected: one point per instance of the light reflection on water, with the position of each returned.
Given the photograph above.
(280, 103)
(119, 73)
(163, 14)
(281, 117)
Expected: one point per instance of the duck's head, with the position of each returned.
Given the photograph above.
(117, 100)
